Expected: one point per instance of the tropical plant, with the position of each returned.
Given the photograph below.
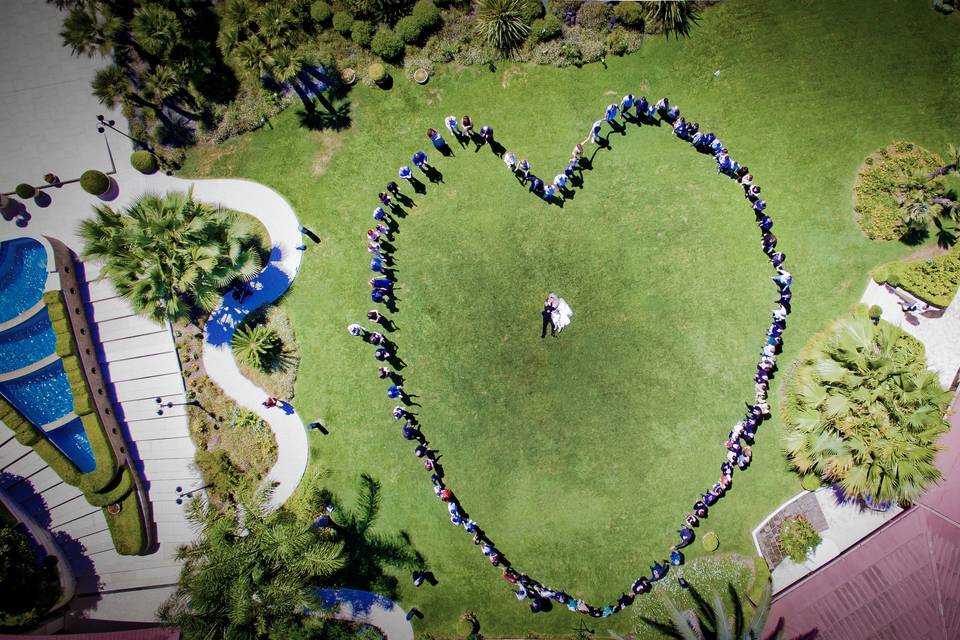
(863, 411)
(948, 229)
(250, 573)
(256, 345)
(952, 159)
(673, 16)
(501, 23)
(156, 29)
(110, 85)
(712, 622)
(90, 28)
(170, 254)
(797, 538)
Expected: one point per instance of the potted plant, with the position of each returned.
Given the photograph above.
(377, 73)
(348, 76)
(25, 191)
(421, 76)
(94, 182)
(874, 313)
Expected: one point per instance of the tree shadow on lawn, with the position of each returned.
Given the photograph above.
(336, 119)
(370, 553)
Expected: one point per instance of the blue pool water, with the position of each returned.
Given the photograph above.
(27, 342)
(72, 440)
(23, 275)
(42, 396)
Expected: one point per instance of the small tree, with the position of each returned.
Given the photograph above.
(798, 538)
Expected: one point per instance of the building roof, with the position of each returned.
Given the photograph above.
(902, 581)
(151, 633)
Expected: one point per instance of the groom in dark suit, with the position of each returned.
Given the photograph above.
(548, 308)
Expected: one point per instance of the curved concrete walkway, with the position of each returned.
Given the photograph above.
(276, 214)
(368, 608)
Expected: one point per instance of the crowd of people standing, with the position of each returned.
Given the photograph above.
(738, 456)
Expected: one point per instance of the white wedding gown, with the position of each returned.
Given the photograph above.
(562, 315)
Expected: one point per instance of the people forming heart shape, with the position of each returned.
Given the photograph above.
(557, 314)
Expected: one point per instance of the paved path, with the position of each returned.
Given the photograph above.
(368, 608)
(940, 336)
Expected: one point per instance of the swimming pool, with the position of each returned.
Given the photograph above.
(23, 275)
(72, 440)
(27, 342)
(42, 396)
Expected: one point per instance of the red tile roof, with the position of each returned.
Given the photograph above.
(901, 582)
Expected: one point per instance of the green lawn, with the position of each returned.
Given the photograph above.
(580, 455)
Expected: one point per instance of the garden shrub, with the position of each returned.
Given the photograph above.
(409, 29)
(362, 33)
(880, 196)
(144, 161)
(711, 541)
(630, 14)
(935, 280)
(321, 12)
(248, 111)
(530, 10)
(119, 488)
(427, 15)
(546, 28)
(94, 182)
(377, 72)
(256, 345)
(594, 14)
(875, 312)
(343, 23)
(797, 538)
(386, 44)
(25, 191)
(616, 43)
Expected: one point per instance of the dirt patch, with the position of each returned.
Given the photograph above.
(512, 73)
(220, 159)
(328, 143)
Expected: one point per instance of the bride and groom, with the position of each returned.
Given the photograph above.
(556, 313)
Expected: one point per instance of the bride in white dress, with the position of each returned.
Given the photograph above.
(562, 314)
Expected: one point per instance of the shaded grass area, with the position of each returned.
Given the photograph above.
(581, 454)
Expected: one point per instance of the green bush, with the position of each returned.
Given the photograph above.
(386, 44)
(616, 42)
(362, 33)
(883, 190)
(377, 72)
(711, 541)
(798, 538)
(935, 280)
(810, 482)
(321, 12)
(427, 14)
(119, 488)
(594, 15)
(409, 30)
(630, 14)
(546, 28)
(144, 161)
(29, 585)
(875, 312)
(342, 23)
(25, 191)
(530, 10)
(94, 182)
(256, 346)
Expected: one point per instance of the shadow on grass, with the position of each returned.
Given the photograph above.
(335, 119)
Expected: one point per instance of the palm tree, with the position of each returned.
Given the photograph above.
(256, 345)
(501, 24)
(110, 85)
(712, 622)
(253, 56)
(170, 254)
(89, 29)
(672, 15)
(156, 30)
(286, 69)
(864, 412)
(250, 573)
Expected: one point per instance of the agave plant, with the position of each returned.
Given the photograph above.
(712, 621)
(501, 24)
(672, 15)
(864, 412)
(170, 254)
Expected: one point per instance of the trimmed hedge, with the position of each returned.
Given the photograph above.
(546, 28)
(94, 182)
(934, 281)
(119, 489)
(387, 44)
(630, 14)
(810, 482)
(126, 528)
(144, 161)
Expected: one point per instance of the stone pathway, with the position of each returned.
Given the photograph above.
(368, 608)
(940, 336)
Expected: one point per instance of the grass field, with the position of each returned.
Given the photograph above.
(579, 455)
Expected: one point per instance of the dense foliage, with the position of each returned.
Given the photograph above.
(169, 255)
(712, 620)
(28, 587)
(798, 538)
(934, 280)
(256, 345)
(863, 411)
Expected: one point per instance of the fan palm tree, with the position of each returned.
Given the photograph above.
(672, 15)
(250, 572)
(110, 85)
(90, 28)
(864, 412)
(286, 70)
(157, 30)
(169, 254)
(501, 23)
(712, 622)
(256, 345)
